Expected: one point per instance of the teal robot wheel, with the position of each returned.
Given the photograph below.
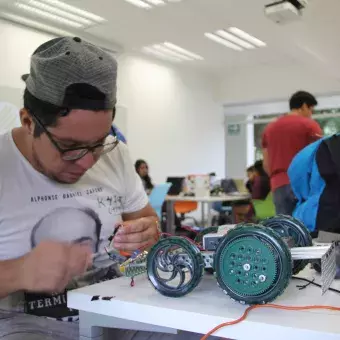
(175, 266)
(253, 264)
(287, 226)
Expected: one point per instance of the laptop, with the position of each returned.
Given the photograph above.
(177, 185)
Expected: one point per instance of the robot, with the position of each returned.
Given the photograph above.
(252, 263)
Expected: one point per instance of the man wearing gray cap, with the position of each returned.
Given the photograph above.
(63, 158)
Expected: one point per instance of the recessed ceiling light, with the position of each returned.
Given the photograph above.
(233, 39)
(150, 50)
(222, 41)
(156, 2)
(147, 4)
(32, 23)
(182, 51)
(174, 52)
(139, 3)
(47, 15)
(168, 51)
(76, 10)
(245, 36)
(59, 12)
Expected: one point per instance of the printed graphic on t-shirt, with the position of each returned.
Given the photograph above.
(75, 224)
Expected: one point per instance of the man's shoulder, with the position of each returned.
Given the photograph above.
(117, 157)
(5, 143)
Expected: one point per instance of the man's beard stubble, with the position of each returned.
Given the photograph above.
(37, 164)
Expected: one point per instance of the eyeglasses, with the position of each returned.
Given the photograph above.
(73, 154)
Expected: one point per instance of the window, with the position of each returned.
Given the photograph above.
(329, 121)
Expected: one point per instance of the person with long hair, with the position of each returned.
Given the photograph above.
(142, 170)
(260, 182)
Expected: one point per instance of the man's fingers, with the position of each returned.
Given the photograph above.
(79, 259)
(128, 247)
(131, 227)
(134, 237)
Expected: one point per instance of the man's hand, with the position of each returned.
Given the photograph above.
(51, 266)
(137, 234)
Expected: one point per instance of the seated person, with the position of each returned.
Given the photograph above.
(62, 165)
(315, 179)
(250, 176)
(260, 186)
(142, 170)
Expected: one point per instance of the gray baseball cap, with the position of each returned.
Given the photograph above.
(72, 73)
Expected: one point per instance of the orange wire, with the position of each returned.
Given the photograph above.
(249, 309)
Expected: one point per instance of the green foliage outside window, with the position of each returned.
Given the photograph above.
(329, 126)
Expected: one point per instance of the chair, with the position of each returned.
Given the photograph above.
(184, 207)
(157, 197)
(264, 208)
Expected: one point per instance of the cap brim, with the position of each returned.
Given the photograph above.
(24, 77)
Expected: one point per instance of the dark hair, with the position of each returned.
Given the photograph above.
(258, 167)
(251, 168)
(47, 113)
(147, 179)
(300, 98)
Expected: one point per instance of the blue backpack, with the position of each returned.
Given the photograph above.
(315, 179)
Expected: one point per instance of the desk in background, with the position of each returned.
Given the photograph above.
(205, 201)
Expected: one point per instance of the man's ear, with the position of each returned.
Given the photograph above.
(26, 121)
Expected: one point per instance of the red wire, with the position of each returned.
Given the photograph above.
(249, 309)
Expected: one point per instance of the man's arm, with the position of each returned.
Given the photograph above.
(47, 268)
(147, 211)
(265, 161)
(10, 276)
(314, 132)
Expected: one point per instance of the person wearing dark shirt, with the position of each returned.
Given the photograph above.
(142, 170)
(260, 182)
(282, 140)
(250, 175)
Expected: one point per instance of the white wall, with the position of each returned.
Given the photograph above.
(270, 83)
(171, 118)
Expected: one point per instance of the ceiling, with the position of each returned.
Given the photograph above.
(306, 42)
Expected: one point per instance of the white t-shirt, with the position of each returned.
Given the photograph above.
(34, 208)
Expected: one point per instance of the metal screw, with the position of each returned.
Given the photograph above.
(246, 267)
(170, 267)
(262, 278)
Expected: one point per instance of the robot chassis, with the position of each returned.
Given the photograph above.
(252, 263)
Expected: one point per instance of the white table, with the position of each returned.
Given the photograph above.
(141, 307)
(204, 200)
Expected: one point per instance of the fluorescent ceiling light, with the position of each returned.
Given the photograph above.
(232, 38)
(150, 3)
(75, 10)
(182, 51)
(139, 3)
(34, 24)
(156, 53)
(156, 2)
(245, 36)
(173, 52)
(222, 41)
(59, 12)
(166, 50)
(47, 15)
